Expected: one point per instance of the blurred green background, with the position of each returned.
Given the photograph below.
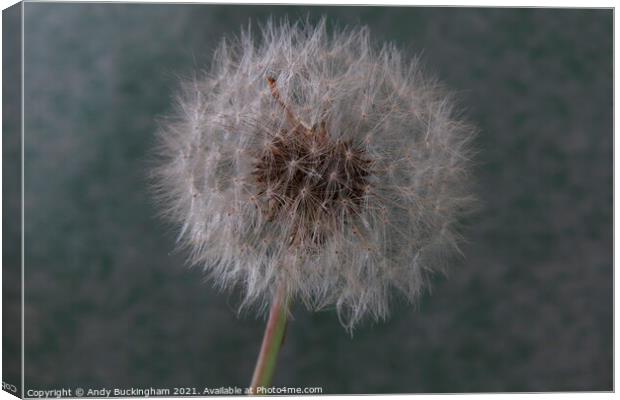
(109, 303)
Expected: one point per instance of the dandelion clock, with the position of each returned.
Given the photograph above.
(317, 168)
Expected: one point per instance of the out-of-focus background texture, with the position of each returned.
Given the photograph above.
(108, 303)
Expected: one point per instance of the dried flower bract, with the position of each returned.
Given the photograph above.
(316, 162)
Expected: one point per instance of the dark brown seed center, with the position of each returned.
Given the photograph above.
(312, 182)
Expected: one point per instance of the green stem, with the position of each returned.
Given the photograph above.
(272, 341)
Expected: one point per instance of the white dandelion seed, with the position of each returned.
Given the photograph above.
(317, 164)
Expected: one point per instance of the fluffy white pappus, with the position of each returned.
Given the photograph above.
(319, 163)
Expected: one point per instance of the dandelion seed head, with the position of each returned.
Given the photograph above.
(317, 162)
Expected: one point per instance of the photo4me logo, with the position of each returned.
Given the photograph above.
(286, 390)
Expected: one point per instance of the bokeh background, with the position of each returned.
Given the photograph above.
(109, 303)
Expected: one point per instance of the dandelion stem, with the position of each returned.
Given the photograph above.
(272, 341)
